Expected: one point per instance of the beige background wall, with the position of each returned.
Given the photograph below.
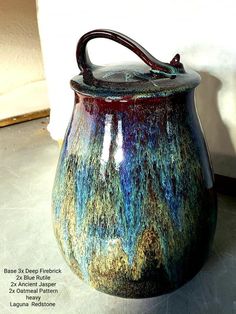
(22, 84)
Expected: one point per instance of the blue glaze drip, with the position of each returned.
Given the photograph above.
(82, 189)
(117, 203)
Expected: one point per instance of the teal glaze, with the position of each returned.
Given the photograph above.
(134, 205)
(132, 74)
(126, 172)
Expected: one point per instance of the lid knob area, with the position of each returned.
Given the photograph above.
(176, 62)
(166, 69)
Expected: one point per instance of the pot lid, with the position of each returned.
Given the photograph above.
(152, 78)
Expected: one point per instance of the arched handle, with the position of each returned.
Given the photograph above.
(86, 66)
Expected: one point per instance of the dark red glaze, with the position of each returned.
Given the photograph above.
(86, 66)
(134, 189)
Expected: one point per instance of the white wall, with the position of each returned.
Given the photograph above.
(22, 83)
(201, 31)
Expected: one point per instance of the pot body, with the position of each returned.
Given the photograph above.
(134, 205)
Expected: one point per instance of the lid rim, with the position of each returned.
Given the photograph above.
(139, 89)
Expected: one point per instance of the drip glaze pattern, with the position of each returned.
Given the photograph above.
(134, 206)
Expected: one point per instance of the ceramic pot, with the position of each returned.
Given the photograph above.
(134, 205)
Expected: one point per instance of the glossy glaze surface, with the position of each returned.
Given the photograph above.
(133, 200)
(153, 78)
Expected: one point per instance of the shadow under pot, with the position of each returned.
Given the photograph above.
(134, 206)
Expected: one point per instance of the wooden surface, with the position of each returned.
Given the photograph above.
(25, 117)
